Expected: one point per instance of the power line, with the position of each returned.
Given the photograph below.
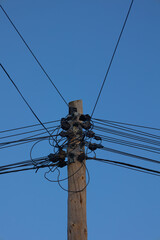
(29, 126)
(130, 155)
(113, 56)
(128, 166)
(36, 164)
(129, 124)
(24, 99)
(22, 143)
(25, 140)
(24, 163)
(25, 169)
(40, 65)
(128, 129)
(23, 133)
(127, 135)
(130, 144)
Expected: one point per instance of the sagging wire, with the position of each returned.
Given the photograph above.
(72, 137)
(72, 191)
(31, 150)
(69, 140)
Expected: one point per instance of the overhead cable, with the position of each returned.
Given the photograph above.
(129, 124)
(29, 126)
(128, 129)
(24, 133)
(24, 99)
(119, 38)
(40, 65)
(130, 155)
(129, 166)
(130, 144)
(128, 135)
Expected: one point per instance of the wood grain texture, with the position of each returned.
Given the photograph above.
(77, 222)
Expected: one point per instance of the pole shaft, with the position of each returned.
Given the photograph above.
(77, 222)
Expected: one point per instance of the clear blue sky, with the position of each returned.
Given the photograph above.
(74, 40)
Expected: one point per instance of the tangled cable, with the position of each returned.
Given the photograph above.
(75, 132)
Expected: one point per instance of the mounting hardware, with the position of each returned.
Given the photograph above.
(90, 134)
(65, 124)
(94, 146)
(97, 138)
(85, 117)
(62, 164)
(52, 157)
(81, 157)
(86, 125)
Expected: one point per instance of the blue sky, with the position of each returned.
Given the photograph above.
(74, 41)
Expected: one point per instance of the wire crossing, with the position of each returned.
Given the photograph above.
(40, 65)
(114, 52)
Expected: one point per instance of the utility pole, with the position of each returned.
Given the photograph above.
(77, 222)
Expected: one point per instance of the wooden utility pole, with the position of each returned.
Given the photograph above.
(77, 222)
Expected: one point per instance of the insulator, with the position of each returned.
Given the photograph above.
(65, 124)
(69, 117)
(97, 138)
(86, 125)
(62, 164)
(90, 134)
(81, 157)
(52, 157)
(92, 146)
(82, 117)
(88, 117)
(63, 134)
(62, 155)
(68, 134)
(100, 146)
(85, 117)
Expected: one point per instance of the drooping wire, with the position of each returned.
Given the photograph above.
(80, 190)
(119, 38)
(40, 65)
(31, 150)
(25, 100)
(62, 179)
